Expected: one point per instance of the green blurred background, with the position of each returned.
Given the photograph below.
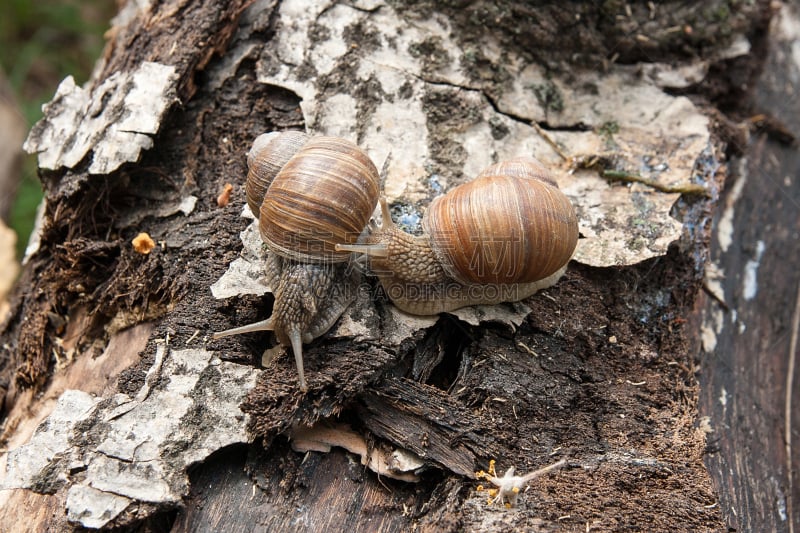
(41, 43)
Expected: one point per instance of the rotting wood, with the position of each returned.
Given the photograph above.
(284, 491)
(606, 378)
(425, 420)
(749, 330)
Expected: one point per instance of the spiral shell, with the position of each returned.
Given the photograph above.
(270, 151)
(323, 194)
(509, 225)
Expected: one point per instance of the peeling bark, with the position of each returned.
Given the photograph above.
(597, 373)
(115, 122)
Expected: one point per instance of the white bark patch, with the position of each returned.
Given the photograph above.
(785, 27)
(113, 122)
(93, 508)
(50, 442)
(714, 275)
(683, 75)
(726, 221)
(750, 282)
(246, 274)
(712, 326)
(138, 449)
(618, 115)
(511, 314)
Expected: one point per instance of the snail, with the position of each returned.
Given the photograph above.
(309, 195)
(498, 238)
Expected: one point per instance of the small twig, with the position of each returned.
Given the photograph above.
(714, 296)
(553, 144)
(527, 348)
(788, 427)
(527, 478)
(149, 381)
(193, 337)
(689, 188)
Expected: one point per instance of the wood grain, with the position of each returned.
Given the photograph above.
(751, 378)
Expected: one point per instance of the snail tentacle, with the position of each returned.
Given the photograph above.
(297, 348)
(263, 325)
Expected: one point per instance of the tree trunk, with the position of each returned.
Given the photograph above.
(751, 307)
(121, 411)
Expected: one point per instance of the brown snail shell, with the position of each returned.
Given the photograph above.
(508, 225)
(323, 196)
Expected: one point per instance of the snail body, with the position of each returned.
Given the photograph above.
(309, 195)
(498, 238)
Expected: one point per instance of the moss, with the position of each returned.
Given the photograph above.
(318, 32)
(432, 54)
(363, 35)
(498, 128)
(549, 96)
(607, 131)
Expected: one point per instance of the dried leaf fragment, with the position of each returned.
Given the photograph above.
(396, 463)
(143, 243)
(225, 196)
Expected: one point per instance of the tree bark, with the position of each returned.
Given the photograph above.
(120, 411)
(751, 309)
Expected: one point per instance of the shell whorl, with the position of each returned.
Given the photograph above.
(509, 225)
(269, 153)
(323, 194)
